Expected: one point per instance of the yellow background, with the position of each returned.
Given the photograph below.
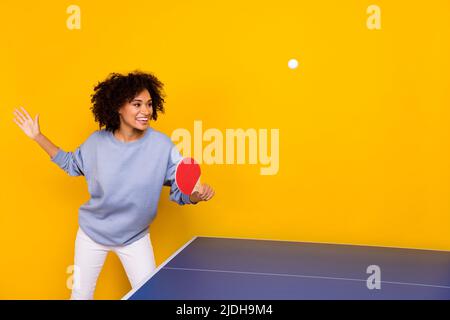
(364, 122)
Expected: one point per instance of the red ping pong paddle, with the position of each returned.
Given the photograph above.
(187, 175)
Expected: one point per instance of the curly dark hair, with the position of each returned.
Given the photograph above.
(117, 89)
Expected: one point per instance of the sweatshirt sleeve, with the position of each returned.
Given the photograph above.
(70, 162)
(175, 194)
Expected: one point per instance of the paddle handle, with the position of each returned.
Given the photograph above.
(197, 186)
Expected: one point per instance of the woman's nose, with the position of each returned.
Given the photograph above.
(146, 110)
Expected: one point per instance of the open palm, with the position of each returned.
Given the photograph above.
(26, 123)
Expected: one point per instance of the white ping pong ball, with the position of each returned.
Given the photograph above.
(293, 64)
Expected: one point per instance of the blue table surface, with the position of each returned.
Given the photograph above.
(246, 269)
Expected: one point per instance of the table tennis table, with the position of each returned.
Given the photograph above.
(212, 268)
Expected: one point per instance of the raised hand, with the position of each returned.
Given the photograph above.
(26, 123)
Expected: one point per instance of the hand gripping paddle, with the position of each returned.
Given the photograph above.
(187, 176)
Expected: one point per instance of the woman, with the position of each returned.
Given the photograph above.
(125, 165)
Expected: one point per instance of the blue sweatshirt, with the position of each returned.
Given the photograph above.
(125, 181)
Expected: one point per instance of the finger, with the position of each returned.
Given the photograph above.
(20, 125)
(26, 113)
(19, 114)
(210, 196)
(211, 193)
(18, 119)
(205, 198)
(207, 192)
(201, 196)
(202, 189)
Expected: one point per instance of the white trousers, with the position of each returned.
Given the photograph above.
(137, 259)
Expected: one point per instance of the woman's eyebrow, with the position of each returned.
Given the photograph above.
(140, 100)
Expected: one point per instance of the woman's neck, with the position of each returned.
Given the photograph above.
(128, 134)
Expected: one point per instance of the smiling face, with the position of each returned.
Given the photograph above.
(137, 113)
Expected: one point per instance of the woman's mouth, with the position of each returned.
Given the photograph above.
(142, 121)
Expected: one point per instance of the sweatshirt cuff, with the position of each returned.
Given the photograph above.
(58, 157)
(186, 199)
